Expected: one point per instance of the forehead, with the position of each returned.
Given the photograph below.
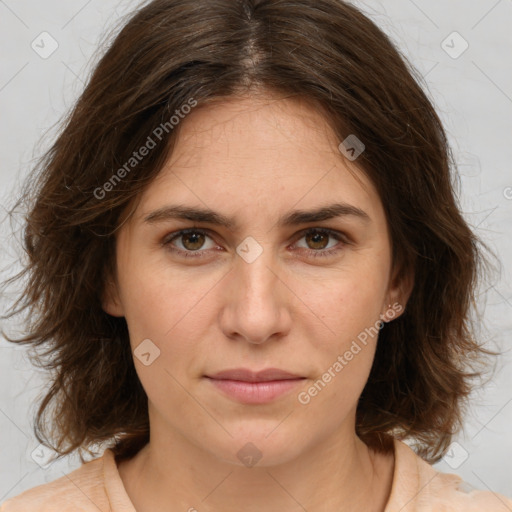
(254, 125)
(261, 155)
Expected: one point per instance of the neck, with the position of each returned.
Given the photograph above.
(341, 474)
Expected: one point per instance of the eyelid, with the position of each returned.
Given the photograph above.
(177, 234)
(338, 235)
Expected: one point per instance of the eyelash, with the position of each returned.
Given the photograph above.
(320, 253)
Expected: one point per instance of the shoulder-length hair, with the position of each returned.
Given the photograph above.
(172, 53)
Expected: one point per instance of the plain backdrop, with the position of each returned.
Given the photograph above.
(462, 49)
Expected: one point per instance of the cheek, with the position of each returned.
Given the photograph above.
(345, 353)
(170, 310)
(347, 303)
(166, 313)
(153, 298)
(349, 306)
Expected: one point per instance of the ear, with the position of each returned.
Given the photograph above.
(110, 301)
(399, 291)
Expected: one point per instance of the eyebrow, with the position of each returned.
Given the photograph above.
(292, 218)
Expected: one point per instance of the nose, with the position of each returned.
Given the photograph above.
(256, 300)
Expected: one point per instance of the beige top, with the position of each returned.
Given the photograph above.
(417, 487)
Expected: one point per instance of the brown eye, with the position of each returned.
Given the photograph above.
(317, 240)
(193, 241)
(189, 242)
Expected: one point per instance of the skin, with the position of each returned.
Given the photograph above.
(255, 158)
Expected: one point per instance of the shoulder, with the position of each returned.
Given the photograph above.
(418, 487)
(82, 490)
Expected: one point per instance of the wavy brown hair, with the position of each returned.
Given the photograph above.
(168, 52)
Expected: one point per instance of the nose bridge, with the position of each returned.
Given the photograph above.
(253, 270)
(254, 308)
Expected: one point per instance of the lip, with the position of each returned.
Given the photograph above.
(250, 387)
(246, 375)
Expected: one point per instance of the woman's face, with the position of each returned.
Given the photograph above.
(273, 289)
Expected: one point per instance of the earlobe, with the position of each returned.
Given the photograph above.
(398, 295)
(110, 301)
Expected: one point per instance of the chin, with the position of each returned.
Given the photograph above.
(259, 447)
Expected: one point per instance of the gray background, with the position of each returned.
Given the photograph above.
(472, 92)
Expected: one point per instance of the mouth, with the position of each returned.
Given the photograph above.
(246, 375)
(248, 387)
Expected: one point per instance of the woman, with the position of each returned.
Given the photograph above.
(248, 271)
